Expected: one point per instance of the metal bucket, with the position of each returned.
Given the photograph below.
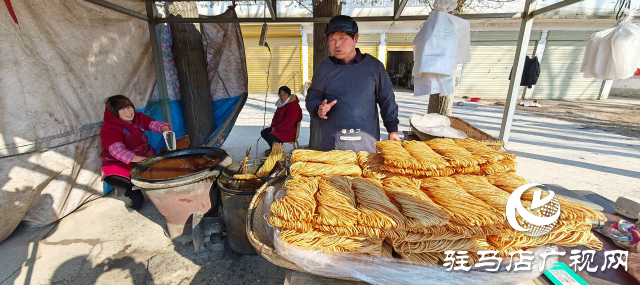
(236, 196)
(179, 197)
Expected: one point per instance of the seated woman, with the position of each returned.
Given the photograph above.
(283, 125)
(125, 143)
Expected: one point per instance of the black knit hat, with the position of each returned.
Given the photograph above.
(341, 23)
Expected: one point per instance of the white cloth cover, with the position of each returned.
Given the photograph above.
(57, 65)
(613, 53)
(443, 42)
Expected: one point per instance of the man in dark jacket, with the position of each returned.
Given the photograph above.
(346, 91)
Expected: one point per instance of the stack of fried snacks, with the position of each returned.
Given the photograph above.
(419, 209)
(328, 157)
(569, 210)
(456, 155)
(480, 149)
(371, 164)
(465, 209)
(311, 169)
(316, 240)
(276, 154)
(376, 210)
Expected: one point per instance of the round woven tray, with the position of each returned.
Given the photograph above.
(257, 232)
(468, 129)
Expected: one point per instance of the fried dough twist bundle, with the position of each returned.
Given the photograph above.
(480, 149)
(311, 169)
(244, 176)
(467, 244)
(464, 208)
(336, 202)
(371, 164)
(395, 155)
(419, 209)
(376, 210)
(299, 204)
(428, 159)
(456, 155)
(497, 167)
(506, 181)
(316, 240)
(328, 157)
(276, 154)
(428, 258)
(417, 172)
(480, 188)
(569, 210)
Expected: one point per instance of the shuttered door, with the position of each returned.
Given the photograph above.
(285, 42)
(487, 74)
(367, 43)
(400, 41)
(560, 76)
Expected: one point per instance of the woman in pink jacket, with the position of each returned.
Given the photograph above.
(125, 143)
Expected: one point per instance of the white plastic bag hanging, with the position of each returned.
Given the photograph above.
(443, 42)
(613, 53)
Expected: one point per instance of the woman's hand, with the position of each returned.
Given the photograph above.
(137, 158)
(165, 129)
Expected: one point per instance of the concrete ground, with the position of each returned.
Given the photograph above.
(105, 243)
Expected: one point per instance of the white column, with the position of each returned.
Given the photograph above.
(542, 44)
(305, 58)
(382, 49)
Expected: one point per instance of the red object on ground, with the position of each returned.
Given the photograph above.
(475, 99)
(11, 12)
(637, 73)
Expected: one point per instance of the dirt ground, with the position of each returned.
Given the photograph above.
(616, 115)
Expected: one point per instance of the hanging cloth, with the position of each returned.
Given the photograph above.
(443, 42)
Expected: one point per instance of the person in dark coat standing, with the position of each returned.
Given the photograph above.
(347, 89)
(283, 125)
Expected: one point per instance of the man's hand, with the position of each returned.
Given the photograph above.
(165, 129)
(393, 136)
(324, 108)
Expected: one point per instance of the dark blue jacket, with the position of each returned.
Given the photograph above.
(352, 123)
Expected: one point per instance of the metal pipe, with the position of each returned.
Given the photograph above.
(326, 19)
(158, 61)
(400, 8)
(272, 10)
(120, 9)
(518, 67)
(554, 7)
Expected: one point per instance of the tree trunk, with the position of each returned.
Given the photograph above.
(324, 8)
(443, 105)
(191, 65)
(440, 104)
